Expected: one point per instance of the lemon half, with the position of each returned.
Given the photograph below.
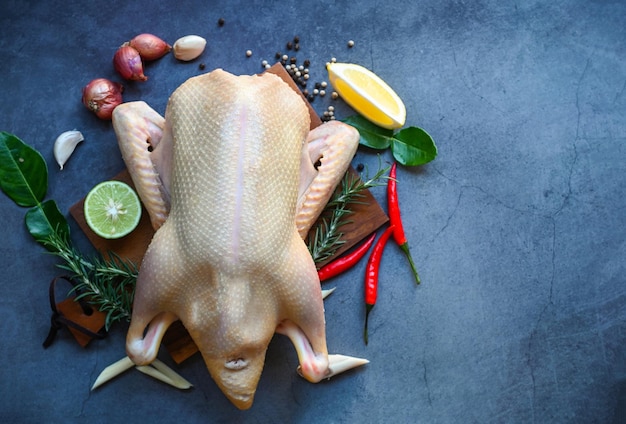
(112, 209)
(367, 94)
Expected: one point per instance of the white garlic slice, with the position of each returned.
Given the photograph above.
(65, 144)
(188, 47)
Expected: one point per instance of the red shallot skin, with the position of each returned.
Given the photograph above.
(101, 96)
(149, 46)
(128, 64)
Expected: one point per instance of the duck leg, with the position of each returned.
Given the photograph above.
(315, 366)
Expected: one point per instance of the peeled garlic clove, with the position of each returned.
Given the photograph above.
(65, 144)
(189, 47)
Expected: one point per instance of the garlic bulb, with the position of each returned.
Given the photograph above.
(65, 144)
(189, 47)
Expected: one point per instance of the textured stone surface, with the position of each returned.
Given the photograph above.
(517, 227)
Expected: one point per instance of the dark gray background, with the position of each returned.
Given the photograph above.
(517, 227)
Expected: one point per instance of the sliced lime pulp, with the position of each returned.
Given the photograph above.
(112, 209)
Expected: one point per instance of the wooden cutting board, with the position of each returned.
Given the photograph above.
(366, 218)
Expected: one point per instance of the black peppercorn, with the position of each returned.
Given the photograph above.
(220, 21)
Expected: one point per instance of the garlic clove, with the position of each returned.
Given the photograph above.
(65, 144)
(189, 47)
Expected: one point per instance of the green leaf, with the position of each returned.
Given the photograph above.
(372, 135)
(45, 220)
(23, 171)
(413, 146)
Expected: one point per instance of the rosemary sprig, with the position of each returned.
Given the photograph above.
(107, 284)
(327, 238)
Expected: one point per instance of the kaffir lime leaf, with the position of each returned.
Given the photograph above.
(112, 209)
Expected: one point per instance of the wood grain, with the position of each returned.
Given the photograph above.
(366, 218)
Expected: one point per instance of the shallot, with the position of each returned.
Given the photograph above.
(128, 64)
(149, 46)
(101, 96)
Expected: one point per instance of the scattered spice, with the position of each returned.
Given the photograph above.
(202, 66)
(350, 43)
(220, 22)
(371, 275)
(329, 114)
(248, 53)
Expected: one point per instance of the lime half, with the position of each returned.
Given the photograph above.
(112, 209)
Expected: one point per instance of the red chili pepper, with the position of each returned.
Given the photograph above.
(371, 275)
(396, 220)
(345, 262)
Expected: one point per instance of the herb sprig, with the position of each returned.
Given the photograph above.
(107, 284)
(327, 237)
